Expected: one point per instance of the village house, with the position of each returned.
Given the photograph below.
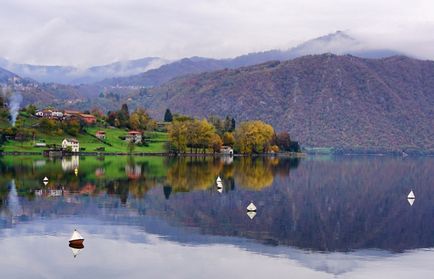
(226, 150)
(72, 143)
(57, 114)
(88, 118)
(46, 113)
(100, 135)
(134, 137)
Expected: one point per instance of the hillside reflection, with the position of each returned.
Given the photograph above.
(339, 204)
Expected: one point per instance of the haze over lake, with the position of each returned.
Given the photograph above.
(157, 217)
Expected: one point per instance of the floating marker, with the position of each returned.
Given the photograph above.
(251, 207)
(76, 171)
(411, 198)
(219, 185)
(45, 180)
(251, 214)
(411, 195)
(76, 239)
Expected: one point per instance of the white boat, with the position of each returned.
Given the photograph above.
(76, 238)
(251, 207)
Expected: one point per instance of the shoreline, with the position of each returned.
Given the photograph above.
(167, 154)
(160, 154)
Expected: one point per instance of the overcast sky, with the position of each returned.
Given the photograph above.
(86, 32)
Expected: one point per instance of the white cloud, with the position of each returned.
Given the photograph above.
(84, 32)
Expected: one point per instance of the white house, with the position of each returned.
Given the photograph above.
(73, 143)
(57, 114)
(226, 150)
(134, 137)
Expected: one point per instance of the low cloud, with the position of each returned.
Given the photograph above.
(83, 33)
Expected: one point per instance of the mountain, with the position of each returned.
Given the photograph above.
(337, 43)
(322, 100)
(73, 75)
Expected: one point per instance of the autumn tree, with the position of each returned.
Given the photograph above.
(140, 120)
(205, 133)
(253, 136)
(228, 139)
(178, 136)
(216, 143)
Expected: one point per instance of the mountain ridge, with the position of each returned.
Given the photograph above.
(322, 100)
(338, 43)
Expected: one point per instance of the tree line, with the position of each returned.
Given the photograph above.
(250, 137)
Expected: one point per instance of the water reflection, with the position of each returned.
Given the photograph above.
(343, 204)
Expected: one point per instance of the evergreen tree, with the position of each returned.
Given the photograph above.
(124, 109)
(168, 116)
(232, 125)
(228, 124)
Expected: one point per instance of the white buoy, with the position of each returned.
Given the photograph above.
(251, 207)
(76, 238)
(411, 198)
(45, 180)
(220, 190)
(218, 180)
(411, 195)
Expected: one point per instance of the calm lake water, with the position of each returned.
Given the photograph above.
(155, 217)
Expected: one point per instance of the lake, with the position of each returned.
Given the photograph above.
(158, 217)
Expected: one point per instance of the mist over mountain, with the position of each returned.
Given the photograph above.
(337, 43)
(154, 71)
(6, 76)
(73, 75)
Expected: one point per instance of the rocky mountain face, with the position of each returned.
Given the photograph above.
(322, 100)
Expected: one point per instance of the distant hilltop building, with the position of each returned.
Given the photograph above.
(48, 113)
(67, 114)
(71, 143)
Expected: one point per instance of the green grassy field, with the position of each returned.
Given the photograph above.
(89, 143)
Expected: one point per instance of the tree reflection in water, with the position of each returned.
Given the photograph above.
(340, 204)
